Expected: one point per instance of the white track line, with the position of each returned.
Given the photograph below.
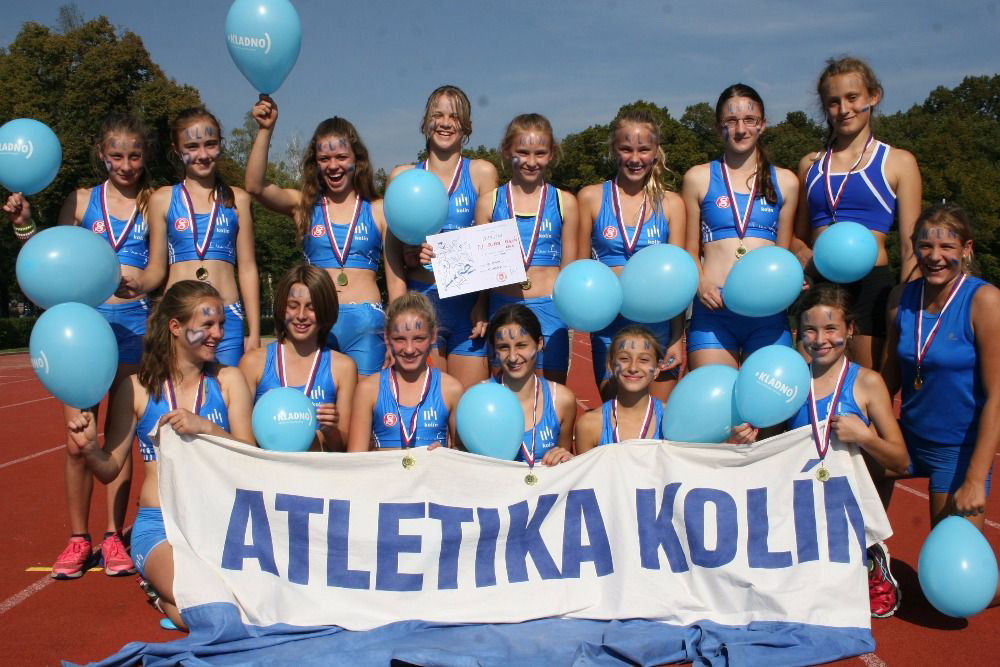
(31, 456)
(872, 660)
(899, 485)
(4, 384)
(18, 598)
(14, 405)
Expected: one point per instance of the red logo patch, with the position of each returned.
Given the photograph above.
(389, 419)
(610, 233)
(181, 224)
(99, 227)
(722, 202)
(501, 276)
(318, 231)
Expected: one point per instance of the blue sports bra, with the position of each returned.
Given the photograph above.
(548, 247)
(846, 405)
(134, 247)
(867, 197)
(606, 242)
(608, 425)
(213, 408)
(365, 251)
(180, 237)
(546, 430)
(431, 423)
(717, 210)
(323, 388)
(461, 199)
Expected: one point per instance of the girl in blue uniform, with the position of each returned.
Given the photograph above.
(547, 220)
(447, 124)
(410, 403)
(735, 204)
(944, 353)
(114, 210)
(860, 179)
(515, 336)
(209, 230)
(305, 310)
(340, 224)
(624, 215)
(177, 384)
(633, 413)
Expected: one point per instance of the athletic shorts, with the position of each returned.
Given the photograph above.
(945, 465)
(725, 330)
(600, 341)
(555, 354)
(128, 321)
(230, 348)
(147, 533)
(870, 301)
(454, 325)
(360, 334)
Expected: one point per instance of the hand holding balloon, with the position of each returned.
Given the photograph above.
(327, 416)
(743, 434)
(970, 498)
(82, 433)
(18, 210)
(265, 112)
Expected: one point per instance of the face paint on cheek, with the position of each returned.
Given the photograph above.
(108, 165)
(954, 262)
(349, 168)
(836, 341)
(187, 158)
(865, 109)
(725, 133)
(515, 162)
(195, 338)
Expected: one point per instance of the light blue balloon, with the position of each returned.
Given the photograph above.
(957, 568)
(587, 295)
(845, 252)
(67, 263)
(490, 421)
(416, 204)
(74, 353)
(284, 420)
(700, 408)
(264, 37)
(773, 384)
(658, 282)
(30, 155)
(767, 280)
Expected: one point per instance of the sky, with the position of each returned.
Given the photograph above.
(576, 61)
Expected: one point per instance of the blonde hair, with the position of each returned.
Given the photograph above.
(411, 302)
(654, 186)
(523, 124)
(464, 110)
(847, 65)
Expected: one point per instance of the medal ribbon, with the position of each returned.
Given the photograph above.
(394, 387)
(200, 248)
(616, 204)
(741, 222)
(116, 241)
(312, 371)
(823, 440)
(527, 255)
(456, 177)
(645, 420)
(341, 255)
(834, 202)
(922, 349)
(171, 395)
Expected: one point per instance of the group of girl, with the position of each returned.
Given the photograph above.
(393, 377)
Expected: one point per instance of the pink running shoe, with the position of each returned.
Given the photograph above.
(883, 590)
(116, 560)
(73, 560)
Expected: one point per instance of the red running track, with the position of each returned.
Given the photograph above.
(43, 621)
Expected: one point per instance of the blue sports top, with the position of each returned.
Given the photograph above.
(608, 426)
(323, 390)
(846, 405)
(462, 201)
(546, 429)
(213, 408)
(548, 248)
(946, 409)
(134, 250)
(366, 243)
(180, 240)
(867, 197)
(432, 422)
(717, 213)
(606, 242)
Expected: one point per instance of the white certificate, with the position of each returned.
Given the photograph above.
(477, 258)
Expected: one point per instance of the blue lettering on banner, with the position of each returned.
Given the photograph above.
(524, 538)
(656, 529)
(758, 554)
(582, 510)
(486, 548)
(248, 506)
(726, 528)
(337, 545)
(841, 506)
(299, 508)
(391, 543)
(451, 519)
(804, 512)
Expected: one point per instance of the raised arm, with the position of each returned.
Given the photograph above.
(278, 199)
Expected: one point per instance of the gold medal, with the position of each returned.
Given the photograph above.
(918, 382)
(741, 250)
(342, 279)
(822, 474)
(526, 285)
(409, 462)
(201, 273)
(530, 479)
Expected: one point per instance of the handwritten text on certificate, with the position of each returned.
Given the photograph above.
(477, 258)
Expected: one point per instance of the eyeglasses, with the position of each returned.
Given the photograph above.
(749, 121)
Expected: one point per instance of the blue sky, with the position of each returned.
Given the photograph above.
(576, 61)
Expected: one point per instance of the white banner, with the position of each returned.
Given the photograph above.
(647, 529)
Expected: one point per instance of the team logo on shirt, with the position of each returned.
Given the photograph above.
(181, 224)
(722, 201)
(609, 233)
(318, 231)
(389, 419)
(99, 227)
